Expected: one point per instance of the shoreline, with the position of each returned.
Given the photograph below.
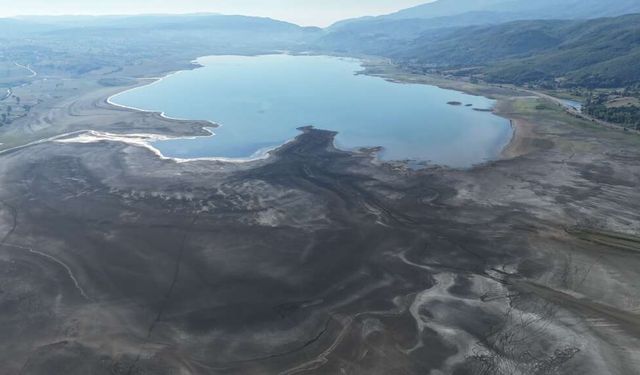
(146, 140)
(520, 129)
(155, 80)
(518, 145)
(265, 154)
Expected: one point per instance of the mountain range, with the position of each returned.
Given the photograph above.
(571, 42)
(576, 42)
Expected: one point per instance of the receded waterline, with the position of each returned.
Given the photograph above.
(261, 101)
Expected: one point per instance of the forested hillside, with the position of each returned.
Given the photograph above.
(593, 53)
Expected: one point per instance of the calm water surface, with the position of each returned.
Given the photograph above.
(261, 101)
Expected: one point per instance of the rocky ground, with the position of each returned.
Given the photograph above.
(116, 261)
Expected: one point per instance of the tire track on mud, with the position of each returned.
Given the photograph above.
(169, 293)
(53, 259)
(14, 214)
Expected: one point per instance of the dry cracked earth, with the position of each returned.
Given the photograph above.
(320, 261)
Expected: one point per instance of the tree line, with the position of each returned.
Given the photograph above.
(627, 115)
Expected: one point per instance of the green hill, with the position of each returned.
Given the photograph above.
(595, 53)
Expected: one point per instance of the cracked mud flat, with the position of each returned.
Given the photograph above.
(319, 261)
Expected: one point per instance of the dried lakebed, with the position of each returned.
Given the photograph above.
(316, 260)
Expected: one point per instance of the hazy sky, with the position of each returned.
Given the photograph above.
(304, 12)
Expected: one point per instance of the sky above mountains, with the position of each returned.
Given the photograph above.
(302, 12)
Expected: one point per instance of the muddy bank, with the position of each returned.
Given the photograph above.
(318, 260)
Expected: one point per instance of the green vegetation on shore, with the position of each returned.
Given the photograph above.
(615, 107)
(544, 53)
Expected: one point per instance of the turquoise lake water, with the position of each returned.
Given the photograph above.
(260, 102)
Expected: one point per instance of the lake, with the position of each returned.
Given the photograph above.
(260, 101)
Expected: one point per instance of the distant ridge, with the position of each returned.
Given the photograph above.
(600, 52)
(529, 9)
(109, 44)
(449, 13)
